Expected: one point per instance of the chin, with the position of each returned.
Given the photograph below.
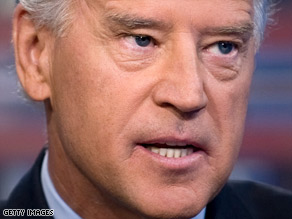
(172, 204)
(168, 213)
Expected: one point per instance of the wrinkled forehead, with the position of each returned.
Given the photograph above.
(198, 13)
(144, 4)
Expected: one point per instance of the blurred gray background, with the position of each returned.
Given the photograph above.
(266, 153)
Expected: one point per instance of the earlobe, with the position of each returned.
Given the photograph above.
(31, 48)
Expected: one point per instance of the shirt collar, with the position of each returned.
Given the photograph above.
(201, 215)
(61, 209)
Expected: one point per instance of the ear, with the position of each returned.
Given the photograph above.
(32, 53)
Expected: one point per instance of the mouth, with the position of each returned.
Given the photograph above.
(171, 149)
(172, 153)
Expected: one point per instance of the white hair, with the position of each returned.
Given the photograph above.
(57, 15)
(263, 12)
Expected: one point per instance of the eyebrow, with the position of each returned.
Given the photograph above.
(245, 29)
(135, 22)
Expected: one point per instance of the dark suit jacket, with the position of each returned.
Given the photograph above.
(237, 200)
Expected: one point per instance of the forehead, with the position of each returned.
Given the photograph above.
(182, 13)
(157, 7)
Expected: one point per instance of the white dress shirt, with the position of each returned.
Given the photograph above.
(54, 200)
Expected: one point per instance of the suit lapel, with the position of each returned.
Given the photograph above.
(29, 194)
(227, 205)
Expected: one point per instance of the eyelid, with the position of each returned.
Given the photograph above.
(132, 34)
(235, 44)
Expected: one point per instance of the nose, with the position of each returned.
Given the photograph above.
(181, 85)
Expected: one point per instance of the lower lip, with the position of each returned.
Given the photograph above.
(191, 161)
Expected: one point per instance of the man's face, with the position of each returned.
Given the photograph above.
(135, 80)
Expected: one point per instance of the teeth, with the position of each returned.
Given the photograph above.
(184, 152)
(163, 152)
(155, 150)
(177, 153)
(171, 152)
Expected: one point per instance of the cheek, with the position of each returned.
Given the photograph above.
(80, 78)
(227, 108)
(85, 109)
(79, 94)
(230, 108)
(96, 102)
(229, 98)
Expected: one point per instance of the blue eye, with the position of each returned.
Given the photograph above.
(143, 41)
(225, 47)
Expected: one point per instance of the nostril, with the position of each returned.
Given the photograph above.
(183, 114)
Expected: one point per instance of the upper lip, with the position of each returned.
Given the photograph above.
(171, 141)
